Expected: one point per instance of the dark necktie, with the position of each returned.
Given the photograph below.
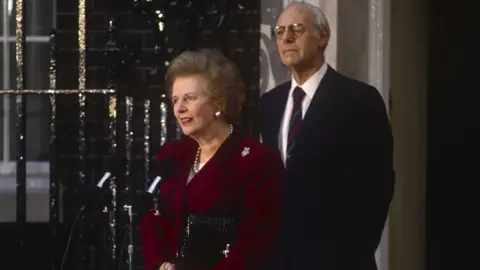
(295, 120)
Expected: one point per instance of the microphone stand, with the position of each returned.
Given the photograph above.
(130, 230)
(130, 235)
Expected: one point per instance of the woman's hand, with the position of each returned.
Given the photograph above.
(167, 266)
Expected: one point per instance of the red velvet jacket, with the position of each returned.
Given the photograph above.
(243, 176)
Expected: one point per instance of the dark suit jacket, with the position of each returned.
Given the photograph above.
(246, 185)
(340, 180)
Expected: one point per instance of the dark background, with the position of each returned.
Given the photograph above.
(238, 39)
(453, 132)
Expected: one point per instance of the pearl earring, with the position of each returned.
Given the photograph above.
(217, 114)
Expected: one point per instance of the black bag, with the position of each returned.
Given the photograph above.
(207, 239)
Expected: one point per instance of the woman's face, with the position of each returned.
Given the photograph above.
(193, 108)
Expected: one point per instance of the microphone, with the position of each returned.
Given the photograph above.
(144, 200)
(161, 170)
(114, 164)
(105, 177)
(154, 184)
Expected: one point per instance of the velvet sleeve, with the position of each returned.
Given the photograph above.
(153, 248)
(258, 227)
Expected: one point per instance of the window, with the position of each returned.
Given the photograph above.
(39, 20)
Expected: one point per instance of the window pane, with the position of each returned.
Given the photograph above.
(36, 77)
(39, 18)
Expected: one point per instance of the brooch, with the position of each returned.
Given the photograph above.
(245, 151)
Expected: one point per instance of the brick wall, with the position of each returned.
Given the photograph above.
(239, 41)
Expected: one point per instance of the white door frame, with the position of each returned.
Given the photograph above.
(379, 76)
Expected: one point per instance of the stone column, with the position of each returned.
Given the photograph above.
(363, 53)
(383, 43)
(409, 82)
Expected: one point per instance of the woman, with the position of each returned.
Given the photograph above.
(220, 175)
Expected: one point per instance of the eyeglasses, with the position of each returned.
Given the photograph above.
(297, 29)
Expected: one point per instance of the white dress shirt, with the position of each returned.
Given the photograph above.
(310, 87)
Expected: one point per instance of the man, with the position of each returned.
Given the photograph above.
(335, 138)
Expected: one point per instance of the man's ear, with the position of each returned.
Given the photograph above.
(323, 37)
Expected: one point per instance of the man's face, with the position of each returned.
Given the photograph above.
(299, 39)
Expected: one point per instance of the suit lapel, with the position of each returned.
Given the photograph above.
(277, 112)
(317, 112)
(320, 98)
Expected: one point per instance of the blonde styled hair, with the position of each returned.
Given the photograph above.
(221, 74)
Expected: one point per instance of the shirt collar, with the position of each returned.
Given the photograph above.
(311, 85)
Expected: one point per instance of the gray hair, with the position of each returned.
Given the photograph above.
(320, 18)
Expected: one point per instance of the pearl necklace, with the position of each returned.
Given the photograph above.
(196, 163)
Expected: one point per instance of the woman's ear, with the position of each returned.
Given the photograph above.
(219, 105)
